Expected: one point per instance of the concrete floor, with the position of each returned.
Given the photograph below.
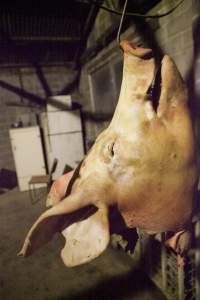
(43, 276)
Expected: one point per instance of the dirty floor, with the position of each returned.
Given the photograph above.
(43, 276)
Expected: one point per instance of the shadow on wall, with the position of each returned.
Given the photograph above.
(34, 98)
(37, 100)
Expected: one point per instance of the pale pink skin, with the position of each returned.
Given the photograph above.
(57, 193)
(173, 243)
(58, 189)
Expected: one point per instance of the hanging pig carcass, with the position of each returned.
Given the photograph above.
(143, 164)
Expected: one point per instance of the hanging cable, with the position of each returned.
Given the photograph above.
(136, 14)
(121, 21)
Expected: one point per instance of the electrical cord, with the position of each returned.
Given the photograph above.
(136, 14)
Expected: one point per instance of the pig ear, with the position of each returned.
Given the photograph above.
(86, 240)
(63, 215)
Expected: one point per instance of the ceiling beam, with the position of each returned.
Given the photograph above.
(43, 38)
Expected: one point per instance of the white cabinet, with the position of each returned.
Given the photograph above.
(68, 148)
(63, 122)
(63, 139)
(28, 154)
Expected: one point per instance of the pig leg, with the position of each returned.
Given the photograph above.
(72, 253)
(173, 95)
(86, 239)
(93, 232)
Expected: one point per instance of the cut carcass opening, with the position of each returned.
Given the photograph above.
(154, 90)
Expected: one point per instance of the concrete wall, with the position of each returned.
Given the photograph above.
(20, 87)
(176, 34)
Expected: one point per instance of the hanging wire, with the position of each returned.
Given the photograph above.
(134, 14)
(121, 21)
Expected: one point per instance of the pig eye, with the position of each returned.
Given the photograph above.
(111, 149)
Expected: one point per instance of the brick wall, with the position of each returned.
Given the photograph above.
(174, 33)
(56, 79)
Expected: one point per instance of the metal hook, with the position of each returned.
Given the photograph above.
(121, 21)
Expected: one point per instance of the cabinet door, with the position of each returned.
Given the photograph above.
(63, 121)
(28, 154)
(68, 149)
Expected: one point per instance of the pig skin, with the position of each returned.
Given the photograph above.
(144, 164)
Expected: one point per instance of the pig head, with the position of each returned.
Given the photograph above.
(143, 164)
